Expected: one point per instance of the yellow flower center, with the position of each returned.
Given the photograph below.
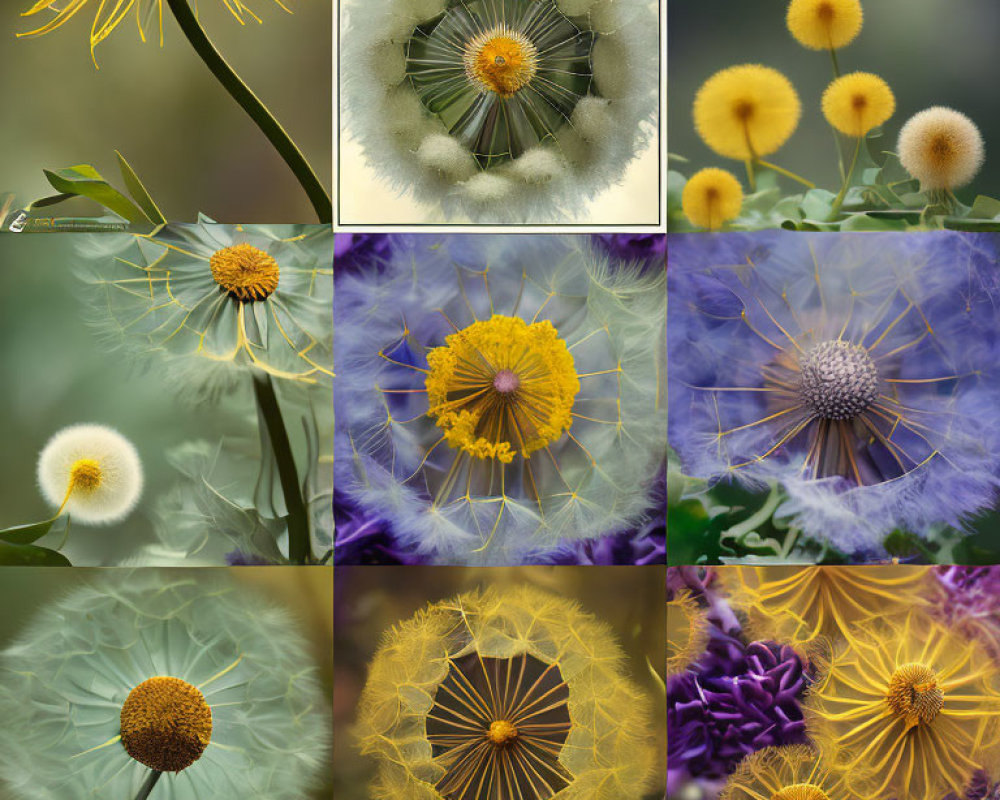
(502, 386)
(914, 694)
(85, 475)
(500, 61)
(825, 12)
(800, 791)
(166, 724)
(501, 732)
(245, 271)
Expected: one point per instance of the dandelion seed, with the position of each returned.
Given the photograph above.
(91, 472)
(687, 632)
(907, 708)
(499, 394)
(854, 104)
(794, 772)
(746, 111)
(711, 198)
(178, 674)
(853, 370)
(824, 24)
(521, 694)
(941, 147)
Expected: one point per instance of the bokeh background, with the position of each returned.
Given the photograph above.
(305, 592)
(190, 143)
(935, 52)
(370, 600)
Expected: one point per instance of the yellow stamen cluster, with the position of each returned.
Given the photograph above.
(824, 24)
(711, 198)
(856, 103)
(914, 694)
(500, 60)
(501, 733)
(800, 791)
(85, 475)
(245, 271)
(502, 386)
(166, 724)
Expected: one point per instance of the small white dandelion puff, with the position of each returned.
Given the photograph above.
(92, 472)
(941, 147)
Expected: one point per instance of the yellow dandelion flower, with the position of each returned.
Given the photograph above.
(746, 111)
(824, 24)
(687, 632)
(802, 604)
(858, 102)
(941, 147)
(712, 197)
(909, 709)
(795, 772)
(504, 694)
(108, 16)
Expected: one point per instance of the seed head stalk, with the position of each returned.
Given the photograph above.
(253, 106)
(147, 787)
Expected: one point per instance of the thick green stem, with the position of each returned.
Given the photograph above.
(258, 112)
(299, 547)
(836, 64)
(839, 199)
(147, 787)
(787, 173)
(751, 178)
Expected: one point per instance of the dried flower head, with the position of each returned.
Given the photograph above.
(746, 111)
(907, 708)
(92, 472)
(166, 671)
(793, 772)
(501, 694)
(712, 197)
(941, 147)
(824, 24)
(854, 104)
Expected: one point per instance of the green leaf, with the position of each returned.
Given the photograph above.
(28, 555)
(984, 207)
(817, 205)
(138, 192)
(26, 534)
(85, 181)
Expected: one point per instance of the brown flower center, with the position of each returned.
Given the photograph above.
(501, 732)
(914, 694)
(166, 724)
(245, 271)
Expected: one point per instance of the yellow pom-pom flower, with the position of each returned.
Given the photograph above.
(746, 111)
(907, 709)
(504, 693)
(824, 24)
(795, 772)
(856, 103)
(941, 147)
(712, 197)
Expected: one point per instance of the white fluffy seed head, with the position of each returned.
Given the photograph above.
(592, 119)
(486, 188)
(95, 470)
(446, 155)
(538, 165)
(941, 147)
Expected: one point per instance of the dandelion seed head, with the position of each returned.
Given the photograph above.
(92, 472)
(792, 772)
(838, 380)
(745, 111)
(166, 724)
(854, 104)
(246, 272)
(712, 197)
(824, 24)
(941, 147)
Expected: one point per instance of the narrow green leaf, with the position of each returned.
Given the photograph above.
(85, 181)
(985, 208)
(51, 200)
(138, 192)
(26, 534)
(28, 555)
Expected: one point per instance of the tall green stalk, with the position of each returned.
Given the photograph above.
(148, 785)
(258, 112)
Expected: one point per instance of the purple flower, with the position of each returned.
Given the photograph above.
(634, 246)
(361, 539)
(970, 603)
(857, 371)
(360, 251)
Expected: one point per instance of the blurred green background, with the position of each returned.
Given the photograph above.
(370, 600)
(932, 52)
(306, 592)
(189, 142)
(55, 372)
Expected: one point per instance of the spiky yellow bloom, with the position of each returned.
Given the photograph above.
(908, 709)
(824, 24)
(108, 16)
(502, 386)
(712, 197)
(804, 603)
(687, 632)
(747, 110)
(858, 102)
(941, 147)
(504, 694)
(795, 772)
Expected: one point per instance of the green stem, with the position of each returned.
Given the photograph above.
(787, 173)
(836, 65)
(258, 112)
(751, 178)
(847, 179)
(147, 787)
(299, 548)
(758, 518)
